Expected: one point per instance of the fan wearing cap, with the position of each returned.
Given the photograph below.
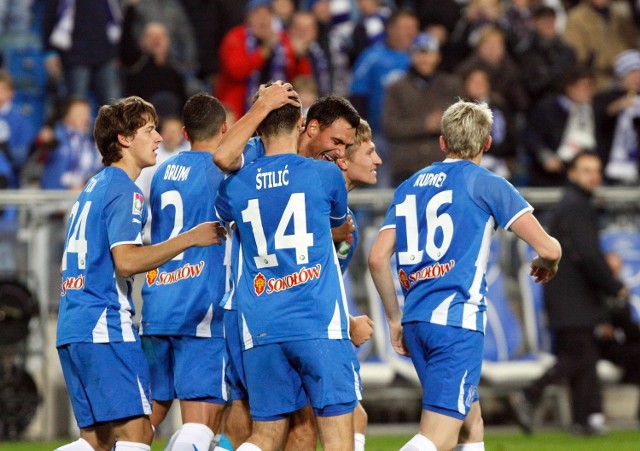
(413, 107)
(617, 116)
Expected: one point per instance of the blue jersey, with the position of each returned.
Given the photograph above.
(182, 296)
(95, 301)
(346, 248)
(290, 287)
(445, 216)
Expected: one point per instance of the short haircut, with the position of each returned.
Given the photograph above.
(280, 120)
(363, 134)
(398, 14)
(123, 117)
(466, 127)
(574, 74)
(203, 116)
(585, 153)
(326, 110)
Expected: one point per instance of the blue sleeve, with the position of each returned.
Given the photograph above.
(334, 181)
(221, 204)
(499, 198)
(125, 214)
(360, 83)
(253, 150)
(390, 217)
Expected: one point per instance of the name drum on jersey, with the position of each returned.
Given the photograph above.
(428, 272)
(176, 173)
(272, 179)
(260, 284)
(188, 271)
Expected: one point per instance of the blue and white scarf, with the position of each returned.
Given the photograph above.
(277, 70)
(623, 160)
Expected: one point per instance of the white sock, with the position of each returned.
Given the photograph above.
(171, 441)
(131, 446)
(419, 443)
(193, 436)
(479, 446)
(217, 448)
(79, 445)
(246, 446)
(358, 440)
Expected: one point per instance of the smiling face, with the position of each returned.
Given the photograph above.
(361, 167)
(328, 143)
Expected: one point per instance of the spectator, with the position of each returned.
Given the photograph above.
(546, 57)
(182, 40)
(150, 72)
(16, 132)
(517, 23)
(15, 17)
(284, 11)
(574, 302)
(413, 108)
(559, 128)
(598, 30)
(75, 159)
(254, 53)
(617, 113)
(380, 65)
(307, 90)
(303, 32)
(500, 158)
(369, 30)
(81, 39)
(491, 55)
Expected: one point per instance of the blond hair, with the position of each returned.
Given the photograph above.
(466, 127)
(363, 134)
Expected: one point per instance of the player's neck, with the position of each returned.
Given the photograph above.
(280, 144)
(132, 170)
(208, 145)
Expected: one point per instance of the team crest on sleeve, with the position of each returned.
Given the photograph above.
(404, 280)
(138, 204)
(151, 276)
(259, 283)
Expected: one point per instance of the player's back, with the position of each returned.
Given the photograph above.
(95, 301)
(181, 297)
(445, 216)
(290, 286)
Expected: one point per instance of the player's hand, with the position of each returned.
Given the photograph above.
(543, 270)
(396, 333)
(361, 329)
(277, 95)
(208, 233)
(344, 231)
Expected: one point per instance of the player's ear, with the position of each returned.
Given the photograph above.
(488, 144)
(342, 164)
(443, 145)
(224, 127)
(312, 128)
(185, 135)
(123, 140)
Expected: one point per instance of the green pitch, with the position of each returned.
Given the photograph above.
(543, 441)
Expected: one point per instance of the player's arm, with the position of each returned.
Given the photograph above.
(545, 265)
(228, 154)
(133, 259)
(380, 267)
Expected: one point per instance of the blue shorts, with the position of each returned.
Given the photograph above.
(106, 381)
(185, 367)
(236, 380)
(448, 361)
(283, 377)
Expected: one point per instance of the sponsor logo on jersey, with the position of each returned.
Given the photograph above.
(138, 204)
(72, 283)
(430, 272)
(188, 271)
(259, 283)
(289, 281)
(404, 281)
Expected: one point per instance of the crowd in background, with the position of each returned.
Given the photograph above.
(560, 76)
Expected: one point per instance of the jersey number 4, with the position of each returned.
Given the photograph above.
(76, 240)
(409, 211)
(300, 240)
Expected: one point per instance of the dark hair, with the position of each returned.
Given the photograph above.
(326, 110)
(123, 117)
(280, 120)
(574, 74)
(399, 13)
(585, 153)
(203, 116)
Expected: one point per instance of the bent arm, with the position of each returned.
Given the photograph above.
(545, 266)
(133, 259)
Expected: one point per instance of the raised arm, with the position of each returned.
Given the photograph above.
(545, 265)
(228, 155)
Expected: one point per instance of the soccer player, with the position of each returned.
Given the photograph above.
(290, 294)
(439, 225)
(102, 361)
(181, 323)
(359, 167)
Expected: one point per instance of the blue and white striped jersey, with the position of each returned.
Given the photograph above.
(182, 296)
(95, 302)
(444, 216)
